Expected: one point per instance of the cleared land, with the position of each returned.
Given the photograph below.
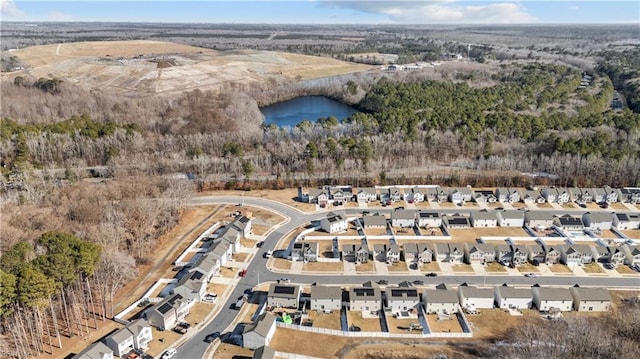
(396, 325)
(445, 325)
(325, 320)
(366, 324)
(133, 67)
(496, 323)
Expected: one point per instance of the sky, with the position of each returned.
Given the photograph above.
(327, 11)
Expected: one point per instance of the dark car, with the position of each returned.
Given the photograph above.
(383, 282)
(180, 329)
(211, 337)
(418, 282)
(432, 274)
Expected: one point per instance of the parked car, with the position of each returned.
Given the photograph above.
(180, 329)
(169, 353)
(418, 282)
(284, 280)
(243, 273)
(268, 253)
(432, 274)
(211, 337)
(210, 297)
(608, 265)
(383, 282)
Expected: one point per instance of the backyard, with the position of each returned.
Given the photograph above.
(397, 325)
(445, 325)
(495, 323)
(325, 320)
(365, 324)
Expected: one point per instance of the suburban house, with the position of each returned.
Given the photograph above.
(504, 254)
(577, 254)
(611, 195)
(264, 352)
(390, 195)
(569, 222)
(207, 265)
(403, 218)
(222, 251)
(554, 254)
(507, 195)
(444, 301)
(305, 251)
(537, 254)
(629, 195)
(511, 218)
(365, 299)
(283, 296)
(402, 299)
(366, 194)
(334, 223)
(520, 254)
(322, 199)
(417, 253)
(242, 224)
(575, 194)
(547, 298)
(484, 219)
(474, 297)
(597, 220)
(374, 221)
(192, 286)
(355, 253)
(590, 299)
(515, 298)
(317, 195)
(480, 253)
(626, 221)
(538, 219)
(633, 255)
(482, 196)
(550, 194)
(563, 195)
(416, 195)
(457, 221)
(428, 219)
(167, 312)
(341, 194)
(325, 298)
(438, 194)
(599, 195)
(449, 252)
(532, 196)
(602, 254)
(387, 253)
(259, 334)
(136, 335)
(618, 254)
(231, 235)
(97, 350)
(460, 195)
(587, 195)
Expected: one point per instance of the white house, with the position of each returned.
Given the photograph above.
(365, 299)
(440, 301)
(474, 297)
(563, 195)
(416, 195)
(97, 350)
(283, 296)
(484, 219)
(374, 221)
(192, 286)
(366, 194)
(260, 333)
(590, 299)
(167, 312)
(538, 219)
(480, 253)
(455, 221)
(597, 220)
(334, 223)
(460, 195)
(550, 194)
(511, 219)
(402, 299)
(325, 298)
(626, 221)
(120, 341)
(449, 252)
(222, 251)
(136, 335)
(403, 218)
(547, 298)
(427, 219)
(633, 255)
(569, 222)
(417, 253)
(509, 297)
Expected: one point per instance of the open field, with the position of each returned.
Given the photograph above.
(325, 320)
(396, 325)
(443, 326)
(496, 323)
(366, 324)
(133, 67)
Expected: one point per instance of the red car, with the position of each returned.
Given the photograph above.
(243, 273)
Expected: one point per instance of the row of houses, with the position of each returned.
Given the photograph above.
(135, 335)
(371, 298)
(192, 286)
(407, 218)
(339, 194)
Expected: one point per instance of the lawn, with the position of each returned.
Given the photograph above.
(494, 267)
(217, 288)
(376, 232)
(593, 268)
(325, 320)
(430, 267)
(495, 323)
(366, 324)
(398, 267)
(462, 268)
(528, 267)
(323, 267)
(231, 351)
(632, 233)
(623, 269)
(312, 344)
(443, 326)
(228, 272)
(259, 230)
(365, 267)
(280, 263)
(396, 325)
(559, 268)
(247, 243)
(239, 257)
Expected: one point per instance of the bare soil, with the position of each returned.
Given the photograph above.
(592, 268)
(230, 351)
(366, 324)
(396, 325)
(559, 268)
(495, 323)
(323, 267)
(444, 326)
(325, 320)
(391, 350)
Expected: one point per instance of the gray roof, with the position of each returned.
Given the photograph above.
(535, 248)
(370, 190)
(375, 220)
(415, 247)
(284, 290)
(485, 215)
(403, 214)
(325, 292)
(265, 352)
(547, 293)
(580, 248)
(428, 214)
(221, 248)
(482, 247)
(474, 292)
(96, 350)
(440, 296)
(137, 326)
(356, 293)
(206, 263)
(402, 293)
(599, 217)
(120, 335)
(510, 292)
(512, 214)
(592, 294)
(334, 217)
(539, 215)
(262, 325)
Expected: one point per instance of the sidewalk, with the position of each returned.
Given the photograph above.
(380, 268)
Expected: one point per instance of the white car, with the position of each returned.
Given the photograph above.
(268, 254)
(169, 353)
(531, 275)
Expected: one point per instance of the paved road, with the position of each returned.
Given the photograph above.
(196, 347)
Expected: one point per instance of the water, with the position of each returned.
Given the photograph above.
(296, 110)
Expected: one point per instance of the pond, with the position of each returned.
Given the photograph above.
(296, 110)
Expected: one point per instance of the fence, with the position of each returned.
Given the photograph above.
(371, 334)
(294, 356)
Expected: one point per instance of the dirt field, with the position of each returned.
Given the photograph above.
(442, 326)
(366, 324)
(129, 67)
(495, 323)
(401, 325)
(230, 351)
(325, 320)
(559, 268)
(323, 267)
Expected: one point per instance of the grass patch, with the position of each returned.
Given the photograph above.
(593, 268)
(365, 267)
(559, 268)
(623, 269)
(326, 320)
(430, 267)
(323, 267)
(495, 267)
(398, 267)
(462, 268)
(280, 263)
(528, 267)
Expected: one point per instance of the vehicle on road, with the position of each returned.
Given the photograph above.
(243, 273)
(432, 274)
(418, 282)
(284, 280)
(530, 275)
(268, 253)
(169, 353)
(383, 282)
(211, 337)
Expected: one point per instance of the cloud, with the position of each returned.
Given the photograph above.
(59, 16)
(8, 8)
(441, 11)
